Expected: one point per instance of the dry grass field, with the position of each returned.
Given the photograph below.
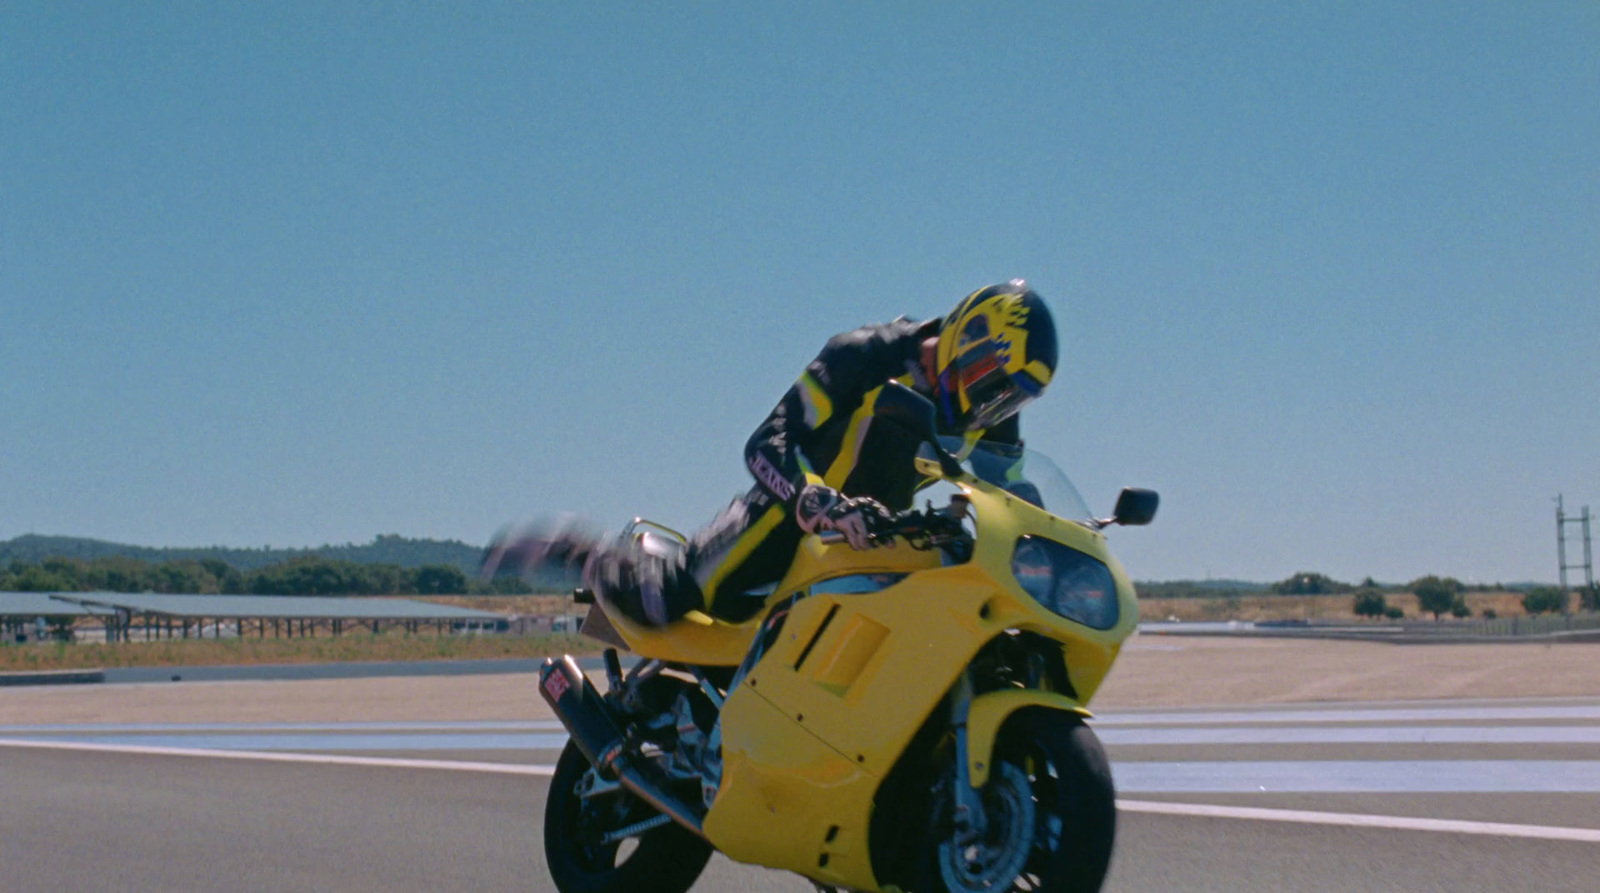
(247, 651)
(1307, 607)
(1154, 671)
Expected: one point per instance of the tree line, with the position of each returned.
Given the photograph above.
(308, 575)
(1435, 595)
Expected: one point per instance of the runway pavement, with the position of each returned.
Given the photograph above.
(1445, 795)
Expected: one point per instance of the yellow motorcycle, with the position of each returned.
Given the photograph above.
(907, 718)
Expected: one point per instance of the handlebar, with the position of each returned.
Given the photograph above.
(924, 528)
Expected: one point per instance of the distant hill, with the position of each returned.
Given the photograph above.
(386, 549)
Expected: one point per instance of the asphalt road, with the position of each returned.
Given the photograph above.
(1331, 798)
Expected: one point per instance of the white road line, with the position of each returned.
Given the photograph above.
(551, 736)
(1495, 829)
(429, 739)
(1352, 820)
(315, 742)
(1363, 715)
(195, 727)
(1359, 777)
(323, 759)
(1200, 735)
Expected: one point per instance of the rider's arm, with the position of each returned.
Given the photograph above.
(774, 452)
(830, 389)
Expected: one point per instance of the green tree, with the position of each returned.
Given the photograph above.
(182, 577)
(385, 579)
(307, 576)
(1436, 595)
(1370, 603)
(438, 579)
(118, 574)
(37, 579)
(1544, 600)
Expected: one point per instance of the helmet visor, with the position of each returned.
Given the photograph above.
(992, 395)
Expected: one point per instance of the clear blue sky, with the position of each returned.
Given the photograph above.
(1328, 275)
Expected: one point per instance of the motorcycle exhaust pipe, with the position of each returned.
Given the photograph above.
(589, 721)
(582, 710)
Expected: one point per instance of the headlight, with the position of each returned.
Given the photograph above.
(1077, 586)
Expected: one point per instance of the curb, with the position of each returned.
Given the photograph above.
(52, 677)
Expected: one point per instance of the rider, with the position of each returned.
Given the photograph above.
(821, 464)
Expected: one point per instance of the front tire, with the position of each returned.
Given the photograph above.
(1050, 813)
(667, 859)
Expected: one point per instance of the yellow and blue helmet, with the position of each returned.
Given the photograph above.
(996, 352)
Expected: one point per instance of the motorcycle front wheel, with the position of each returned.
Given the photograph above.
(666, 858)
(1050, 815)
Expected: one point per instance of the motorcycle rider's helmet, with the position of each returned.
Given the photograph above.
(996, 352)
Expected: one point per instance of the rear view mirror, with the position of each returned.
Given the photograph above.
(899, 404)
(1135, 507)
(903, 406)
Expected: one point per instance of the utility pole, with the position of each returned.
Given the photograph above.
(1561, 547)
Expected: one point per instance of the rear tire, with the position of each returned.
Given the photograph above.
(667, 859)
(1050, 773)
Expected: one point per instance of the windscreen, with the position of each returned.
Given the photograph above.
(1027, 473)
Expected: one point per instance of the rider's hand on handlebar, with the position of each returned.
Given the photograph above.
(821, 508)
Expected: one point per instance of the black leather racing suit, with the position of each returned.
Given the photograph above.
(821, 432)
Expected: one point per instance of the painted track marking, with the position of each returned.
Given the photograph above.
(1280, 716)
(323, 759)
(1354, 820)
(1406, 823)
(1360, 777)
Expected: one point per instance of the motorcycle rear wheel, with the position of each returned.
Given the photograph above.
(667, 858)
(1050, 813)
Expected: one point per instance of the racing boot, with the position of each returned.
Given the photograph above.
(548, 551)
(643, 576)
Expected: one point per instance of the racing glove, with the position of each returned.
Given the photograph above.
(822, 508)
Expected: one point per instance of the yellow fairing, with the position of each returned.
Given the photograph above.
(990, 711)
(696, 639)
(832, 705)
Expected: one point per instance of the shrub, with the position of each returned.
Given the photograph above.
(1543, 600)
(1490, 614)
(1459, 608)
(1394, 613)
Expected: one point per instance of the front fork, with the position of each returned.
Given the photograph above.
(968, 814)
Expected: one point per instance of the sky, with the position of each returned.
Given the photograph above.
(1327, 276)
